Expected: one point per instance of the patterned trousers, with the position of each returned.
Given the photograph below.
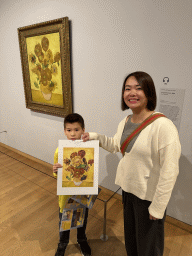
(81, 236)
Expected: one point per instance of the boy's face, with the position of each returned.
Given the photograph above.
(73, 131)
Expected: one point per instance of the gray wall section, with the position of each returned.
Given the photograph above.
(109, 40)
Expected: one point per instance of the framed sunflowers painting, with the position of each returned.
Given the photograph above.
(79, 174)
(45, 58)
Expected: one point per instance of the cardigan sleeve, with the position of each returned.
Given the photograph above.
(55, 161)
(169, 169)
(111, 144)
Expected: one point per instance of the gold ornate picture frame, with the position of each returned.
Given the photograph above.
(45, 59)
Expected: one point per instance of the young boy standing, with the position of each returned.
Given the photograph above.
(73, 128)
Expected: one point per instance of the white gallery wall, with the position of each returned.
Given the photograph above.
(109, 39)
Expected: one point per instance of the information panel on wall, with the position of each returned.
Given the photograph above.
(171, 104)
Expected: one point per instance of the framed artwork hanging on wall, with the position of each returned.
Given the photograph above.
(45, 59)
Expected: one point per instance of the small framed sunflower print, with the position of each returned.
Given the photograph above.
(79, 174)
(45, 59)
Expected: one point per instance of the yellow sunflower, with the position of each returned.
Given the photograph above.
(49, 56)
(45, 62)
(36, 71)
(32, 58)
(45, 76)
(45, 43)
(57, 57)
(38, 50)
(76, 161)
(41, 57)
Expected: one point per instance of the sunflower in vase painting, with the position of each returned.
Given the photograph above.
(77, 167)
(44, 64)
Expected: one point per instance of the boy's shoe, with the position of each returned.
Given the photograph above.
(85, 248)
(61, 249)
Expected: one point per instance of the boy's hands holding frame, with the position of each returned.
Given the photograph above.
(56, 166)
(85, 136)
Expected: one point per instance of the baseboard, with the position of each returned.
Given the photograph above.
(27, 156)
(179, 224)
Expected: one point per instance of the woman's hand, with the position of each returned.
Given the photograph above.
(85, 137)
(152, 218)
(56, 166)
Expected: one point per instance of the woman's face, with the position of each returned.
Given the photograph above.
(134, 96)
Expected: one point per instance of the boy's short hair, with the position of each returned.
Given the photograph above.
(74, 118)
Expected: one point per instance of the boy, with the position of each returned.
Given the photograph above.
(73, 129)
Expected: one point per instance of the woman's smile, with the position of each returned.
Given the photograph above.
(133, 101)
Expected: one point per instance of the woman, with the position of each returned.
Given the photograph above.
(149, 167)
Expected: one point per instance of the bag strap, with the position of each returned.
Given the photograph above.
(142, 126)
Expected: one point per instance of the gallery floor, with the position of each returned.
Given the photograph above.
(29, 214)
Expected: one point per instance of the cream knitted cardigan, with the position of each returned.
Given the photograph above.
(150, 169)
